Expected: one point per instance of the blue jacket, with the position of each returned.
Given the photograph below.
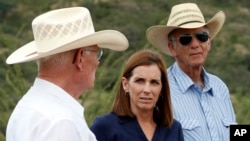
(111, 127)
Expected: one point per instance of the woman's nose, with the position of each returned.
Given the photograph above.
(146, 88)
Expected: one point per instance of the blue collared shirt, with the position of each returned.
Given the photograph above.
(110, 127)
(205, 114)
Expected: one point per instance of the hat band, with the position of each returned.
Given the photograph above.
(190, 22)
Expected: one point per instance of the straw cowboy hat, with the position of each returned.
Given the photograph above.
(65, 29)
(186, 16)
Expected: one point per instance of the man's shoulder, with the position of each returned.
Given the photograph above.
(214, 79)
(170, 71)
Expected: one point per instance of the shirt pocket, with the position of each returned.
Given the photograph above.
(227, 122)
(191, 129)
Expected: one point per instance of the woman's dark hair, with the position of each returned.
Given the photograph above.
(163, 114)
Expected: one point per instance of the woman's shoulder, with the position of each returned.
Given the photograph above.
(176, 123)
(108, 117)
(102, 122)
(175, 126)
(106, 124)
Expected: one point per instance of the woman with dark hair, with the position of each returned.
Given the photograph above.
(142, 108)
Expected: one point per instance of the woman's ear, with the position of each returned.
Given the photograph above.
(125, 84)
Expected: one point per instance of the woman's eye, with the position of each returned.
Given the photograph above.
(155, 82)
(139, 80)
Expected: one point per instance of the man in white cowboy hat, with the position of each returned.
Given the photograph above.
(67, 50)
(201, 101)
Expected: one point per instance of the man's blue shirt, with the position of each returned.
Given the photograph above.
(205, 114)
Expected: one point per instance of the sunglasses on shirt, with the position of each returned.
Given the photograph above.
(185, 39)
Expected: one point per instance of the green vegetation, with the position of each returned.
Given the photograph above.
(229, 57)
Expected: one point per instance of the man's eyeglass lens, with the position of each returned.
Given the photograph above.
(185, 39)
(99, 54)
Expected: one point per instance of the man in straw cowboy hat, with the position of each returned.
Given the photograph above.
(201, 101)
(67, 50)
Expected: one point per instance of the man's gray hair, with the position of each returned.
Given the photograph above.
(56, 60)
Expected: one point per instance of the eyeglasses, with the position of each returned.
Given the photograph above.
(99, 53)
(185, 39)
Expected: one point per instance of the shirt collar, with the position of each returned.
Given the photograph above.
(61, 94)
(185, 82)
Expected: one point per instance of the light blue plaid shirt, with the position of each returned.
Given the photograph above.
(205, 114)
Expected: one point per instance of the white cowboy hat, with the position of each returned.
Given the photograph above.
(186, 16)
(65, 29)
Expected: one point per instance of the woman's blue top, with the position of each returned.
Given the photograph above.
(111, 127)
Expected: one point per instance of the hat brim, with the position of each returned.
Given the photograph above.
(158, 35)
(109, 39)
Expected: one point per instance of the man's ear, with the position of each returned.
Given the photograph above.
(171, 47)
(79, 59)
(209, 44)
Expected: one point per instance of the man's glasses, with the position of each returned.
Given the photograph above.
(185, 39)
(99, 53)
